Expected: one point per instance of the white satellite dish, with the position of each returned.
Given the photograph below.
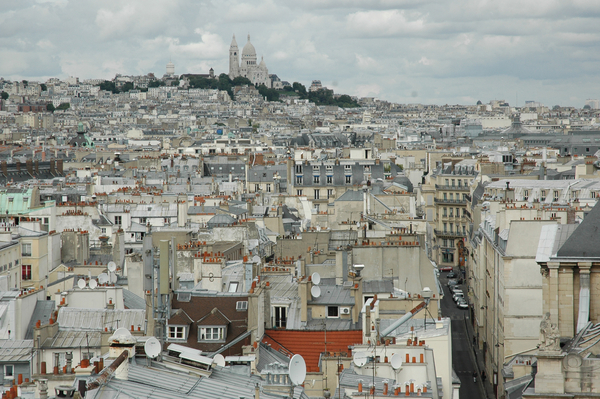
(396, 361)
(81, 283)
(316, 278)
(315, 291)
(219, 360)
(360, 359)
(152, 347)
(103, 278)
(297, 370)
(256, 259)
(113, 278)
(93, 283)
(112, 266)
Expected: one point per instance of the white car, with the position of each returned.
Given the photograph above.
(462, 304)
(457, 296)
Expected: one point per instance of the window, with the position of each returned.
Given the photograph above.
(445, 213)
(329, 193)
(316, 168)
(87, 355)
(118, 220)
(212, 334)
(298, 168)
(452, 182)
(279, 319)
(347, 168)
(103, 230)
(333, 311)
(316, 179)
(298, 179)
(9, 371)
(317, 193)
(25, 249)
(329, 167)
(176, 332)
(329, 179)
(241, 305)
(348, 179)
(451, 214)
(299, 193)
(257, 187)
(268, 188)
(10, 199)
(555, 196)
(143, 220)
(445, 227)
(525, 195)
(46, 220)
(25, 272)
(543, 196)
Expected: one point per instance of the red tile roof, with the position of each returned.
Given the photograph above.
(310, 344)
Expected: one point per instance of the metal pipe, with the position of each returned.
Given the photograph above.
(404, 319)
(110, 370)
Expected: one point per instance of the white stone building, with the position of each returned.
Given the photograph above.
(248, 68)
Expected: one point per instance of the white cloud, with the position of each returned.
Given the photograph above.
(446, 52)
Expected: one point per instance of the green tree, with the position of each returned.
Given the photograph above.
(50, 107)
(156, 83)
(108, 86)
(270, 94)
(4, 95)
(241, 81)
(300, 89)
(63, 106)
(25, 83)
(126, 87)
(43, 87)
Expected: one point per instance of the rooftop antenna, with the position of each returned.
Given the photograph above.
(316, 278)
(219, 360)
(152, 348)
(360, 359)
(103, 278)
(297, 370)
(315, 291)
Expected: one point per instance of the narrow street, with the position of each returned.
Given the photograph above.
(463, 359)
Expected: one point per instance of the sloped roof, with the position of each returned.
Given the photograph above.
(15, 350)
(310, 344)
(43, 310)
(585, 240)
(180, 318)
(214, 318)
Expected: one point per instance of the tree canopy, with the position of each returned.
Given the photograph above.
(4, 95)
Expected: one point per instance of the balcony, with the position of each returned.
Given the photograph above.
(452, 188)
(449, 201)
(452, 234)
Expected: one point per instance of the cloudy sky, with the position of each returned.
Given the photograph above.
(408, 51)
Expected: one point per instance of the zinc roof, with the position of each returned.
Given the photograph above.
(15, 350)
(97, 319)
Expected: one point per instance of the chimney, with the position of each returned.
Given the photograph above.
(43, 387)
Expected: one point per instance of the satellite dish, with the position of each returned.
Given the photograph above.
(219, 360)
(316, 278)
(297, 370)
(256, 259)
(113, 278)
(81, 283)
(152, 347)
(93, 283)
(360, 359)
(396, 361)
(315, 291)
(112, 266)
(103, 278)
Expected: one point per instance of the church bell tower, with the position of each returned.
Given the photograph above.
(234, 59)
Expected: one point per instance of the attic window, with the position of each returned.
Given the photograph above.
(233, 286)
(240, 305)
(10, 199)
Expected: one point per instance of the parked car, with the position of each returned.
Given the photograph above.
(457, 291)
(451, 275)
(458, 296)
(455, 288)
(450, 283)
(446, 268)
(462, 304)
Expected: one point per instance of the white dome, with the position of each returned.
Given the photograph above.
(248, 50)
